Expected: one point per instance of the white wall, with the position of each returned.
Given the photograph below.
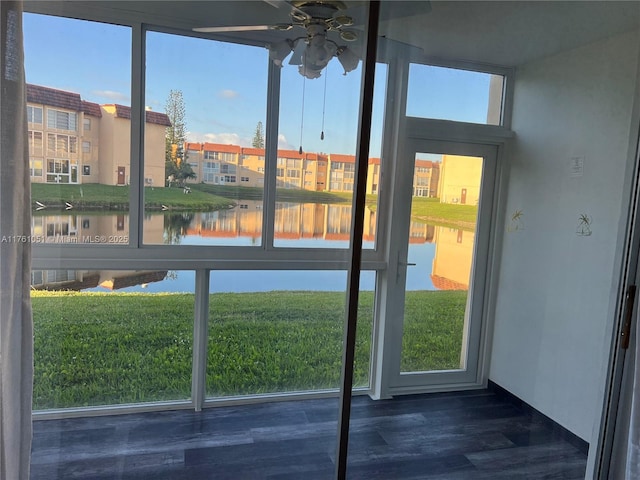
(553, 306)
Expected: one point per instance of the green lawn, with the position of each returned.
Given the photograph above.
(112, 197)
(431, 211)
(93, 348)
(282, 194)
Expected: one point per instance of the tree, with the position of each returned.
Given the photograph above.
(258, 137)
(176, 166)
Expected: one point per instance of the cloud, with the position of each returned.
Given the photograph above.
(284, 144)
(111, 95)
(233, 139)
(223, 138)
(228, 94)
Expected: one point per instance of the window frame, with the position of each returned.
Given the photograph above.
(204, 259)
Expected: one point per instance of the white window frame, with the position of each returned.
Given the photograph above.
(203, 259)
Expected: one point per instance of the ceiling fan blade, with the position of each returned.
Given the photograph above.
(298, 51)
(234, 28)
(287, 5)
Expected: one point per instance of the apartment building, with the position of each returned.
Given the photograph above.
(221, 164)
(75, 141)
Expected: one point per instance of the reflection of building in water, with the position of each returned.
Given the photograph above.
(82, 279)
(460, 179)
(92, 228)
(453, 258)
(420, 233)
(292, 221)
(75, 141)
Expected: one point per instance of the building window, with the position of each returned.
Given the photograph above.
(86, 170)
(86, 147)
(57, 170)
(61, 144)
(229, 179)
(226, 168)
(223, 156)
(86, 123)
(34, 114)
(260, 169)
(35, 167)
(35, 143)
(280, 172)
(62, 120)
(293, 173)
(244, 179)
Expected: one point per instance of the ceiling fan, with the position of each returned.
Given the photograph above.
(312, 51)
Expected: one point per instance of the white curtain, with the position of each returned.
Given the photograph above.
(16, 329)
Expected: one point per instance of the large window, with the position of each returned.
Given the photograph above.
(452, 94)
(78, 92)
(204, 158)
(62, 120)
(105, 337)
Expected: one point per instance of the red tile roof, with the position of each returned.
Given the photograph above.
(339, 157)
(425, 163)
(442, 283)
(220, 147)
(253, 151)
(53, 97)
(91, 108)
(123, 111)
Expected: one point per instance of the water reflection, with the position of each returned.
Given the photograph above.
(322, 225)
(443, 258)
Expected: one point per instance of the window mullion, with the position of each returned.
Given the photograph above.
(271, 154)
(136, 192)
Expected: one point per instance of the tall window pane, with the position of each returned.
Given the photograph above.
(111, 337)
(204, 149)
(86, 82)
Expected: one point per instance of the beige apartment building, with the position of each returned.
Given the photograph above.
(459, 180)
(221, 164)
(74, 141)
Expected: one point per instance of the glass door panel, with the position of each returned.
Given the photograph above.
(444, 212)
(442, 262)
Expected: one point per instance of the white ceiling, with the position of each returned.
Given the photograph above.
(507, 33)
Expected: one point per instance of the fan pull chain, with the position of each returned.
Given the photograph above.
(304, 82)
(324, 102)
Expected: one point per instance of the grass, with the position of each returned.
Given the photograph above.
(282, 194)
(112, 197)
(94, 348)
(431, 211)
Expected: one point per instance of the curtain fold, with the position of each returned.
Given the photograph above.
(16, 328)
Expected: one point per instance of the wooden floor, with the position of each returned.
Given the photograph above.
(467, 435)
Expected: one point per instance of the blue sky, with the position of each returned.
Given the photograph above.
(225, 85)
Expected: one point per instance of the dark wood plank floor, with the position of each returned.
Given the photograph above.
(466, 435)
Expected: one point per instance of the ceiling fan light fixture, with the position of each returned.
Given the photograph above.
(316, 56)
(348, 35)
(347, 59)
(309, 71)
(343, 20)
(279, 51)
